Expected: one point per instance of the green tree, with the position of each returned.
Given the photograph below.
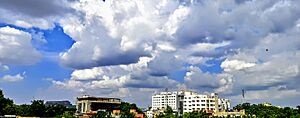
(6, 105)
(66, 114)
(55, 110)
(263, 111)
(196, 114)
(168, 113)
(37, 108)
(101, 114)
(23, 110)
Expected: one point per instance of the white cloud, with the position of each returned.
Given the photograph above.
(3, 67)
(12, 78)
(31, 13)
(16, 47)
(121, 45)
(87, 74)
(196, 79)
(232, 65)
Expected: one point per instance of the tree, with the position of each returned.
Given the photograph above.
(6, 105)
(168, 113)
(195, 114)
(127, 115)
(23, 110)
(101, 114)
(55, 110)
(66, 114)
(263, 111)
(37, 108)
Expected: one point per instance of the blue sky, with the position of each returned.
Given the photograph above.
(61, 49)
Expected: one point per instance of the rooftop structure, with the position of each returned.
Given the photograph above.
(90, 105)
(63, 103)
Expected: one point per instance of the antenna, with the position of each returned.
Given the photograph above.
(243, 95)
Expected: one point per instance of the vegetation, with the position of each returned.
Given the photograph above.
(102, 114)
(36, 108)
(252, 111)
(263, 111)
(39, 109)
(125, 111)
(195, 114)
(168, 113)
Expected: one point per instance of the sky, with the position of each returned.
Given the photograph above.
(131, 49)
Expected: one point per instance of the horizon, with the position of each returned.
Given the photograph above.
(129, 49)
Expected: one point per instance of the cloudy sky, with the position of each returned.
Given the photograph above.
(61, 49)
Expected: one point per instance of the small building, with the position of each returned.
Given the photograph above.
(88, 105)
(63, 103)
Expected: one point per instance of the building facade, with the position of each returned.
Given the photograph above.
(188, 101)
(90, 105)
(195, 102)
(164, 99)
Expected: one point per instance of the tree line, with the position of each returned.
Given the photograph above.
(252, 111)
(266, 111)
(37, 108)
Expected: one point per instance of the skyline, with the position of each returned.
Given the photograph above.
(130, 49)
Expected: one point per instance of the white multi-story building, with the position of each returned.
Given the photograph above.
(188, 101)
(193, 101)
(164, 99)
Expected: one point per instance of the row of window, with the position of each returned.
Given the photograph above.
(157, 105)
(164, 96)
(164, 102)
(163, 99)
(198, 109)
(199, 101)
(193, 97)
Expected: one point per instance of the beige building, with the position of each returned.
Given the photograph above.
(87, 105)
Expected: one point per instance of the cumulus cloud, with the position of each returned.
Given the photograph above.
(16, 47)
(3, 67)
(12, 78)
(32, 13)
(232, 65)
(128, 44)
(196, 79)
(118, 77)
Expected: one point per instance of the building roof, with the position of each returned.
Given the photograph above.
(96, 98)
